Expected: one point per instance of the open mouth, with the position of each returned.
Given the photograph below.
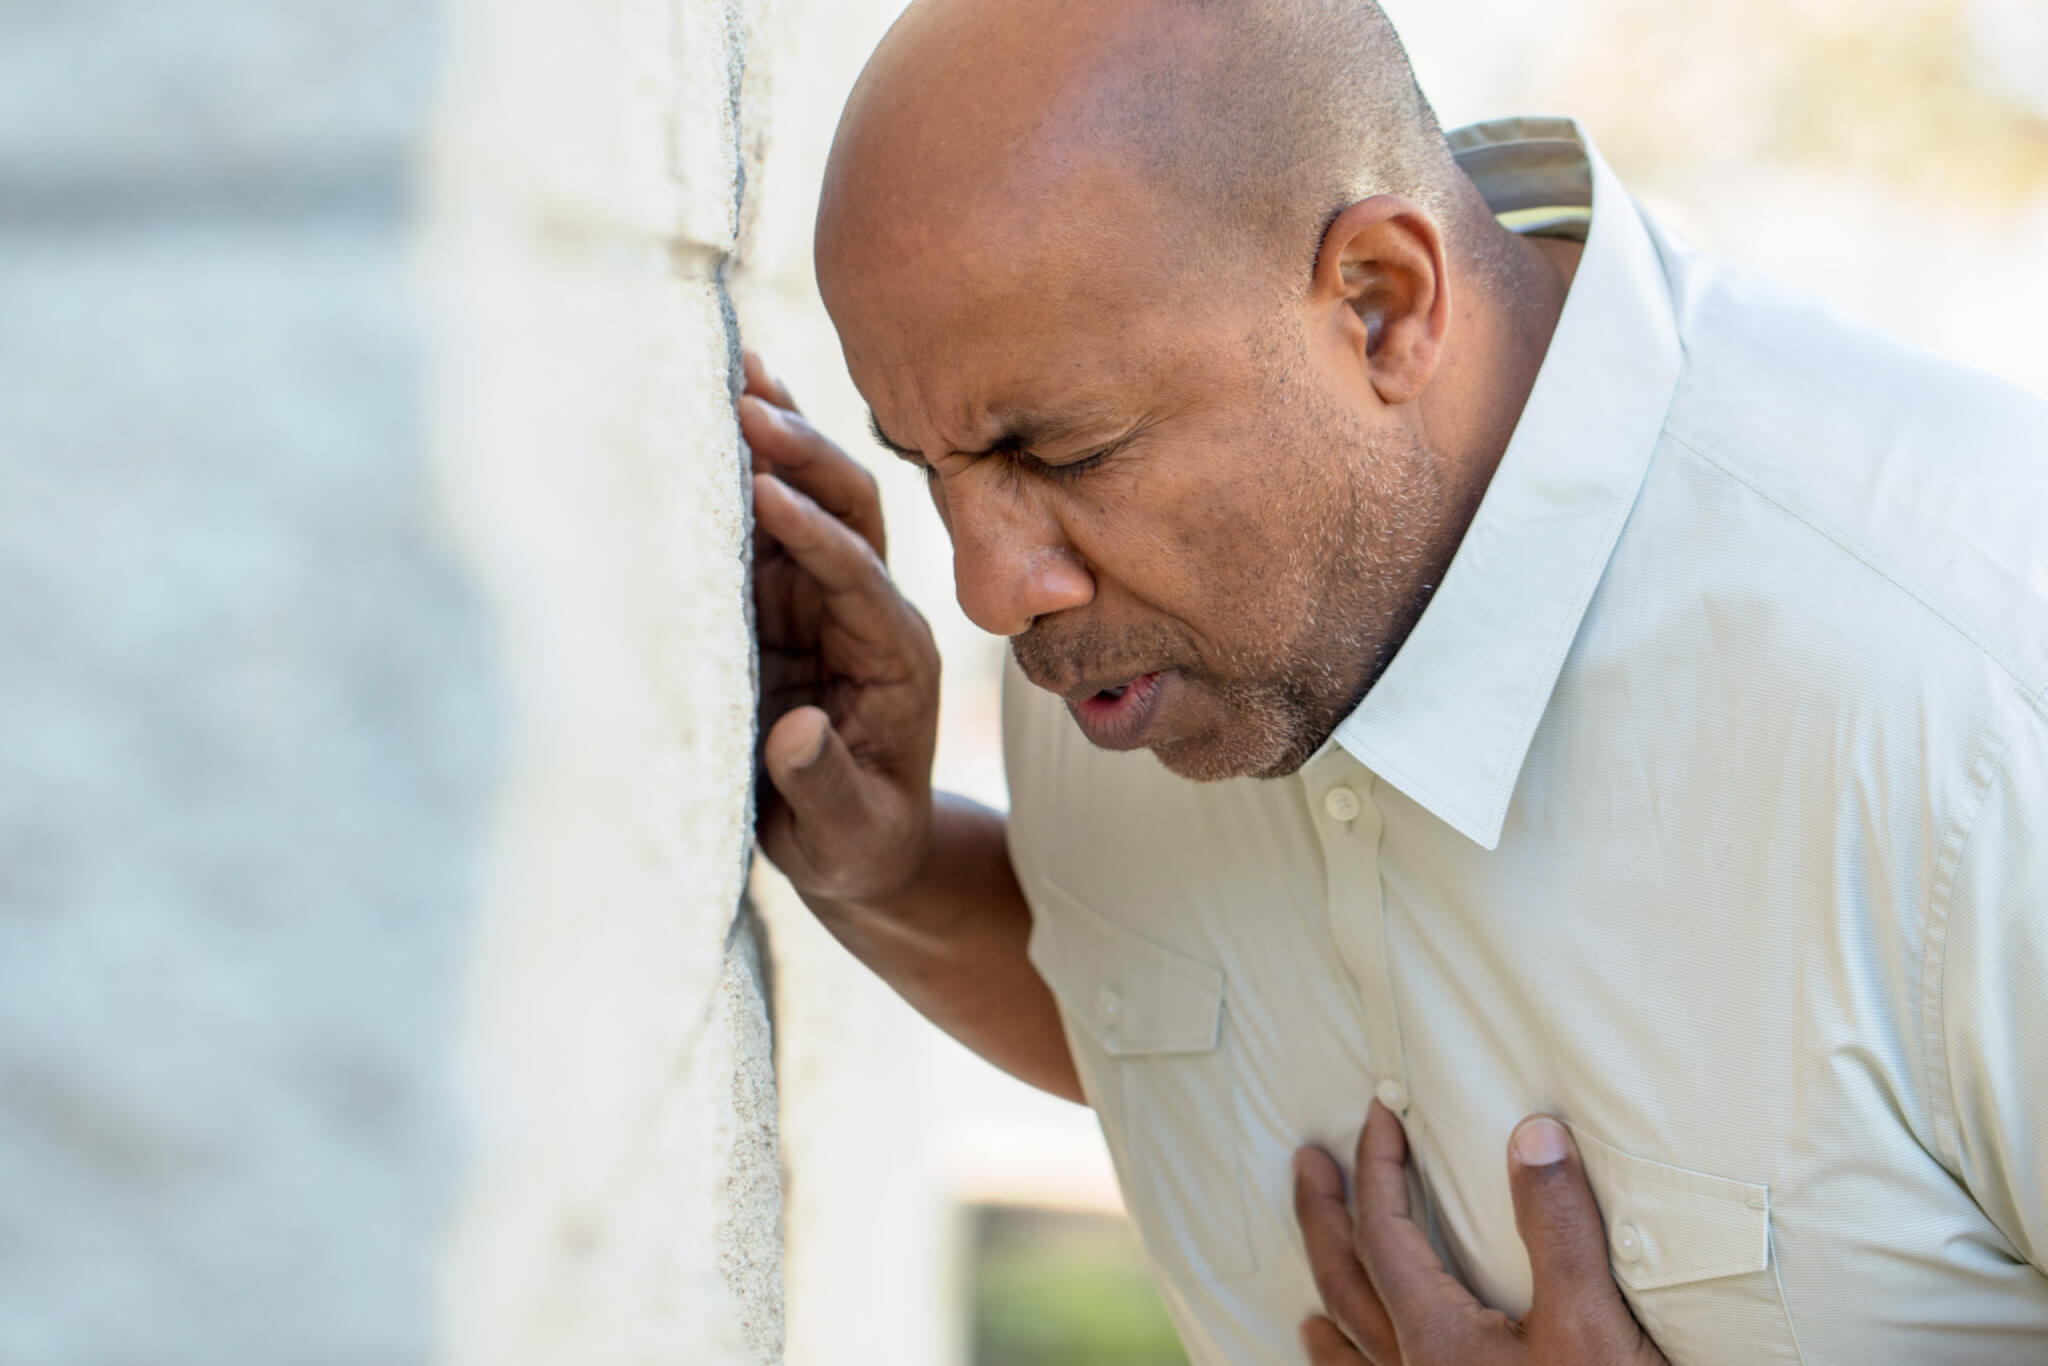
(1119, 717)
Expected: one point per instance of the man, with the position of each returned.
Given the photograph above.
(1579, 681)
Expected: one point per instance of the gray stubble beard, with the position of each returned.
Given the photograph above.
(1367, 560)
(1368, 570)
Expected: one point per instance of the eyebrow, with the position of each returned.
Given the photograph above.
(1021, 431)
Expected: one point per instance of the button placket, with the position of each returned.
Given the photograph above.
(1341, 803)
(1348, 826)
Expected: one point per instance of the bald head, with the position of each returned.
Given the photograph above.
(1158, 294)
(1235, 126)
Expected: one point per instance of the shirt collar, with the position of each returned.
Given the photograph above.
(1450, 721)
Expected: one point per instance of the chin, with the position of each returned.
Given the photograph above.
(1215, 758)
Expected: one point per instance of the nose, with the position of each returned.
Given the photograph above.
(1012, 561)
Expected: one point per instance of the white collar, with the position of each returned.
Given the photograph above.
(1450, 721)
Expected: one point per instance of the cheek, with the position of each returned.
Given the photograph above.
(1230, 517)
(1260, 543)
(1175, 535)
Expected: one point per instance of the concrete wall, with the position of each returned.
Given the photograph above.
(375, 696)
(624, 1205)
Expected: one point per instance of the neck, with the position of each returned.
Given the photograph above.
(1513, 292)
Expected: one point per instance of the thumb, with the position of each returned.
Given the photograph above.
(815, 772)
(1561, 1226)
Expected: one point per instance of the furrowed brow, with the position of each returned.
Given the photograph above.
(1020, 432)
(1026, 431)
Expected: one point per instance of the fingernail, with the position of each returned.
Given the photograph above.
(1540, 1142)
(810, 755)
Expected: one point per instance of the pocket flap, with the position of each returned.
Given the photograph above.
(1669, 1225)
(1132, 996)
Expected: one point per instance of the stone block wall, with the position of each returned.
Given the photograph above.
(375, 687)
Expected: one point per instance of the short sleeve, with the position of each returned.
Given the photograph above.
(1992, 995)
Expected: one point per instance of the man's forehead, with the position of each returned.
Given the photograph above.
(1033, 349)
(1022, 241)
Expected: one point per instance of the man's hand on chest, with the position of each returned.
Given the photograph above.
(1392, 1302)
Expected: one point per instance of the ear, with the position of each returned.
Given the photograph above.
(1382, 274)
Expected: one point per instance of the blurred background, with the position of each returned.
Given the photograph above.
(1888, 156)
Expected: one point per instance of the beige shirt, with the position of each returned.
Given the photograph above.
(1706, 808)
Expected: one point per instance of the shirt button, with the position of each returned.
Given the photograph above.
(1393, 1095)
(1342, 804)
(1109, 1008)
(1628, 1242)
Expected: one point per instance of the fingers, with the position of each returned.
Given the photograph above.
(1326, 1233)
(1326, 1345)
(1382, 1159)
(814, 771)
(761, 381)
(1560, 1224)
(846, 567)
(1405, 1270)
(841, 828)
(821, 818)
(1392, 1275)
(785, 445)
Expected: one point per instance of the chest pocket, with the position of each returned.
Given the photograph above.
(1692, 1253)
(1151, 1041)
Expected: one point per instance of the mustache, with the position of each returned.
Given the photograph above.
(1055, 655)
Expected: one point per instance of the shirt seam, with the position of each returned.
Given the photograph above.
(1868, 559)
(1939, 1077)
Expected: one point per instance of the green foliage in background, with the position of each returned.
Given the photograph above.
(1054, 1289)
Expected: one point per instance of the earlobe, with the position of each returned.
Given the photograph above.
(1382, 270)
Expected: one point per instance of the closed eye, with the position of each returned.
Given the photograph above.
(915, 461)
(1014, 448)
(1069, 470)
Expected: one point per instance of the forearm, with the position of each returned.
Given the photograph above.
(952, 944)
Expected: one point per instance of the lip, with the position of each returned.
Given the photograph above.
(1123, 722)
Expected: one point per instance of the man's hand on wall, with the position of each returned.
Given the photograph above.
(849, 673)
(1397, 1305)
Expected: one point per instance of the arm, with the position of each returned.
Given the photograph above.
(952, 944)
(918, 887)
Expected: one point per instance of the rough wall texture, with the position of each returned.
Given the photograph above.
(375, 701)
(588, 179)
(875, 1264)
